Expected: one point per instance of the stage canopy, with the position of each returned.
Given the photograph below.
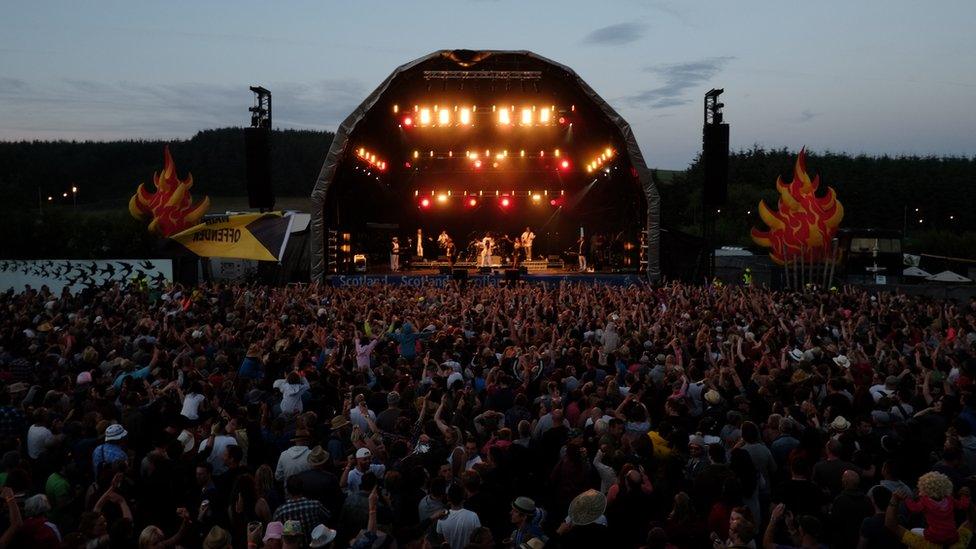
(470, 141)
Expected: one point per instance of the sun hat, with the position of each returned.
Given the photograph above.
(796, 355)
(534, 543)
(115, 432)
(842, 361)
(273, 531)
(318, 456)
(696, 440)
(524, 505)
(840, 423)
(587, 507)
(322, 535)
(218, 538)
(363, 453)
(19, 387)
(712, 397)
(392, 398)
(339, 422)
(301, 434)
(292, 528)
(83, 377)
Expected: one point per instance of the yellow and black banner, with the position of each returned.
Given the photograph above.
(260, 236)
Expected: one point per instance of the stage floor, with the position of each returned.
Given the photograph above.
(433, 276)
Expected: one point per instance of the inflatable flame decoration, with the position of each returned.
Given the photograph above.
(804, 224)
(171, 207)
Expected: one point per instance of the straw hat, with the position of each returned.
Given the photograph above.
(339, 422)
(318, 456)
(587, 507)
(842, 361)
(322, 535)
(218, 538)
(840, 423)
(292, 528)
(712, 397)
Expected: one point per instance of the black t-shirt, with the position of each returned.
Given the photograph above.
(877, 536)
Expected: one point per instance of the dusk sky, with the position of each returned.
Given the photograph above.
(893, 76)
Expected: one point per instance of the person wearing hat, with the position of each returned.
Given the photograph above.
(338, 445)
(361, 464)
(307, 512)
(272, 535)
(293, 535)
(320, 483)
(111, 451)
(322, 536)
(585, 526)
(527, 519)
(217, 538)
(294, 460)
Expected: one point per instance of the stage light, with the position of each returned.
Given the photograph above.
(472, 202)
(465, 116)
(477, 163)
(562, 119)
(504, 117)
(542, 153)
(544, 116)
(416, 154)
(424, 116)
(65, 195)
(408, 121)
(396, 109)
(406, 164)
(425, 203)
(444, 117)
(526, 117)
(505, 202)
(552, 202)
(565, 164)
(609, 152)
(362, 151)
(522, 153)
(442, 198)
(556, 153)
(494, 164)
(536, 198)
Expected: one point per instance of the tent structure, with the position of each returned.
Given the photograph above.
(916, 272)
(336, 200)
(948, 277)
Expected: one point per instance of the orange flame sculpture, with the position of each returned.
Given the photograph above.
(804, 224)
(171, 207)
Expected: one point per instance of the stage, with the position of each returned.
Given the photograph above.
(473, 277)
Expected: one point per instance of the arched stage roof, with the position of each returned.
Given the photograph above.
(342, 148)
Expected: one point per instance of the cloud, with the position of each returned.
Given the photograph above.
(616, 35)
(89, 109)
(677, 78)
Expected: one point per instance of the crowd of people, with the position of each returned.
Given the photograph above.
(530, 416)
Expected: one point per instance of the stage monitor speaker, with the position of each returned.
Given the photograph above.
(715, 161)
(257, 144)
(512, 275)
(460, 275)
(444, 270)
(484, 270)
(523, 270)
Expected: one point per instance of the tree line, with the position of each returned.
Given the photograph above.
(876, 191)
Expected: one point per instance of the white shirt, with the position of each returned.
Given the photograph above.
(191, 405)
(216, 458)
(458, 526)
(880, 390)
(356, 418)
(39, 439)
(355, 477)
(291, 395)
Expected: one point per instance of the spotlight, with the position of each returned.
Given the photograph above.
(472, 202)
(425, 203)
(465, 116)
(536, 198)
(424, 116)
(565, 164)
(408, 121)
(562, 119)
(444, 117)
(504, 117)
(552, 202)
(442, 198)
(544, 116)
(505, 202)
(477, 163)
(526, 117)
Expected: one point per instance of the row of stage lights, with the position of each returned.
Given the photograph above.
(450, 116)
(471, 200)
(478, 160)
(370, 158)
(599, 161)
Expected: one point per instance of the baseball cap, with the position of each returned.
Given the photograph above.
(363, 453)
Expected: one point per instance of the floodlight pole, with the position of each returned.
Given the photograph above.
(712, 116)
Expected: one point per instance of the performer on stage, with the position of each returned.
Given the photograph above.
(420, 243)
(443, 239)
(516, 250)
(487, 245)
(449, 250)
(527, 237)
(581, 249)
(395, 255)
